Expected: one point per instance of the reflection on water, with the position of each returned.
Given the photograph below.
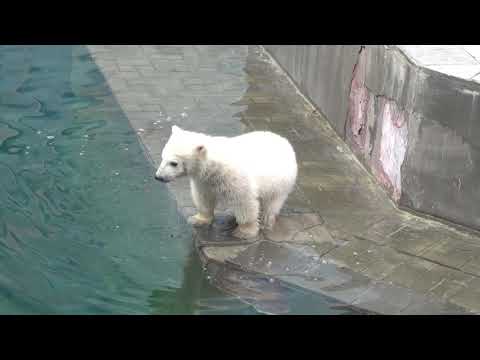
(84, 228)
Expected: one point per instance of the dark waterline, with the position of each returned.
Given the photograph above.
(84, 227)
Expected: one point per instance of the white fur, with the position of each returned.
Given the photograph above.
(252, 173)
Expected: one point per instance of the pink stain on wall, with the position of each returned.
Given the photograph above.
(358, 106)
(390, 142)
(393, 146)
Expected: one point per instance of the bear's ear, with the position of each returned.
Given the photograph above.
(200, 150)
(175, 129)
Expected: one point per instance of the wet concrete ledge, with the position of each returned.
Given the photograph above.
(339, 234)
(411, 115)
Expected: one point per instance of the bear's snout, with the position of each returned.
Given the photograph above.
(161, 178)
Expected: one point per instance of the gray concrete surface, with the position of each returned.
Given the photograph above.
(404, 115)
(339, 234)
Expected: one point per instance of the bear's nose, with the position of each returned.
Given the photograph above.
(160, 178)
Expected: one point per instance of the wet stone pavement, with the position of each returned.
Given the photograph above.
(339, 235)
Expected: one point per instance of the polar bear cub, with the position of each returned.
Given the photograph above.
(252, 174)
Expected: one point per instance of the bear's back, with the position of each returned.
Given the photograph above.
(264, 154)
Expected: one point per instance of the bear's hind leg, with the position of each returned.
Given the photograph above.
(271, 209)
(246, 214)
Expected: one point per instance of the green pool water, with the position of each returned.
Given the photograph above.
(84, 227)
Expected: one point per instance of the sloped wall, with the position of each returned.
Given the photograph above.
(416, 130)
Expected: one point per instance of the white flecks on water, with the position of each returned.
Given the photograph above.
(125, 149)
(28, 147)
(81, 153)
(50, 137)
(116, 173)
(26, 153)
(85, 136)
(39, 132)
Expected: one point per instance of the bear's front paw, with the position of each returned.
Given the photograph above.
(246, 231)
(199, 220)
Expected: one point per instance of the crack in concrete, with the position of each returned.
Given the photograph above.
(436, 262)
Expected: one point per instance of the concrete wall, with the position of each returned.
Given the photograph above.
(416, 130)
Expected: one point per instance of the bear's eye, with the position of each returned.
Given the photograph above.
(173, 163)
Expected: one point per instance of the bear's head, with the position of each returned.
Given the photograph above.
(181, 155)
